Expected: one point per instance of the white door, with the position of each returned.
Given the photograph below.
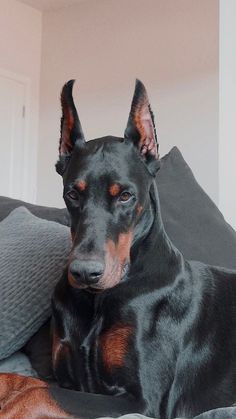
(12, 136)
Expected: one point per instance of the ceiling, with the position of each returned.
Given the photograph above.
(46, 5)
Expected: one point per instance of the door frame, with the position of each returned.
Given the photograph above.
(28, 192)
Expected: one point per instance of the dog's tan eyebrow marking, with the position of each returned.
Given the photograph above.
(81, 185)
(139, 209)
(114, 189)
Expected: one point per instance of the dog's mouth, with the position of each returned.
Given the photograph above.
(114, 279)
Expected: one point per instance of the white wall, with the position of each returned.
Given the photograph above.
(20, 53)
(172, 46)
(227, 140)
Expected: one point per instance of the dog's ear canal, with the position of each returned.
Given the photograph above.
(71, 130)
(141, 128)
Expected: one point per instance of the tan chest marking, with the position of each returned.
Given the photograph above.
(27, 397)
(114, 346)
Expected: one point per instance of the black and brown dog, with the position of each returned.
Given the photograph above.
(131, 317)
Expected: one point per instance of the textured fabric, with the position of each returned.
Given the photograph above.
(47, 213)
(223, 413)
(17, 363)
(192, 220)
(129, 416)
(33, 253)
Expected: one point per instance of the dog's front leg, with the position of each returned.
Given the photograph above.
(62, 361)
(65, 337)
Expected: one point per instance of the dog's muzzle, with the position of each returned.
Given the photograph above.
(84, 273)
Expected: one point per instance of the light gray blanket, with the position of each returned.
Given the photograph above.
(17, 363)
(223, 413)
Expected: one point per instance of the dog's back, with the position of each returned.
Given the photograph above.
(205, 375)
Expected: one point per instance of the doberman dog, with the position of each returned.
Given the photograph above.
(131, 316)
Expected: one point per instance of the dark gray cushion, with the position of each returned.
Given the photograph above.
(192, 220)
(33, 253)
(48, 213)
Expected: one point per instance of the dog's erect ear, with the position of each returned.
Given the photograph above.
(141, 128)
(71, 130)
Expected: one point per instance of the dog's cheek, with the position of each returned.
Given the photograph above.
(123, 247)
(117, 255)
(119, 252)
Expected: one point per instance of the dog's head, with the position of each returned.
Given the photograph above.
(106, 190)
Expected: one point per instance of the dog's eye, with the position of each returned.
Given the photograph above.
(72, 195)
(125, 196)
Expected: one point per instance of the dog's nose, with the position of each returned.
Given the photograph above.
(86, 272)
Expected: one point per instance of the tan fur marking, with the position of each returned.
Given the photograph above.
(123, 246)
(114, 189)
(120, 250)
(114, 345)
(82, 185)
(139, 209)
(139, 124)
(27, 397)
(72, 281)
(117, 254)
(65, 143)
(143, 122)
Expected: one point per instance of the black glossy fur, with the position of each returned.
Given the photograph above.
(132, 318)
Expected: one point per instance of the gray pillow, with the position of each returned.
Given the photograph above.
(192, 221)
(33, 253)
(60, 215)
(221, 413)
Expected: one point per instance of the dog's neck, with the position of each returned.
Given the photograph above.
(152, 244)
